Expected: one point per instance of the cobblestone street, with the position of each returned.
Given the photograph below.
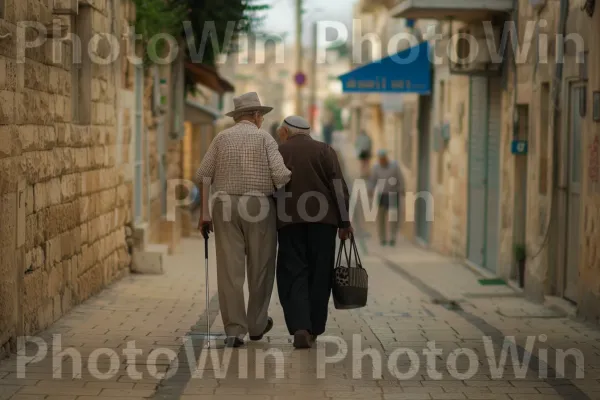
(415, 297)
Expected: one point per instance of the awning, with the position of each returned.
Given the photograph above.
(209, 77)
(408, 71)
(199, 114)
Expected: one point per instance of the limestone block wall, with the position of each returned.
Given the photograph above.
(543, 269)
(63, 202)
(408, 158)
(449, 166)
(590, 255)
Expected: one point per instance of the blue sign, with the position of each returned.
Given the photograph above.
(408, 71)
(519, 147)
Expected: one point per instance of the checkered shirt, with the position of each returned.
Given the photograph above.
(243, 160)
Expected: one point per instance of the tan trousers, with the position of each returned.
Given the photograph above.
(245, 239)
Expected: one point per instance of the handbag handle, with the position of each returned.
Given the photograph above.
(355, 248)
(349, 255)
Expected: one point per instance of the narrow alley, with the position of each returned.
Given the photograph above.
(431, 330)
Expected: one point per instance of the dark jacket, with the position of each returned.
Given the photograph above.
(317, 192)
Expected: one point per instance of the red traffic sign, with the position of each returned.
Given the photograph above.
(300, 78)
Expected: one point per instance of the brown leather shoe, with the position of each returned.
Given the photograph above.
(303, 340)
(267, 329)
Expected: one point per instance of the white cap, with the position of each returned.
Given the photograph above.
(297, 122)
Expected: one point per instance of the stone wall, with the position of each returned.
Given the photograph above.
(544, 268)
(449, 163)
(590, 255)
(63, 202)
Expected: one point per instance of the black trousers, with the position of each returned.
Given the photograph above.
(305, 264)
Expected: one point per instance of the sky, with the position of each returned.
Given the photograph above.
(282, 18)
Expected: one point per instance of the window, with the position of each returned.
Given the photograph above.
(81, 88)
(545, 114)
(156, 91)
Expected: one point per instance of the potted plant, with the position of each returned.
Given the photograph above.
(520, 257)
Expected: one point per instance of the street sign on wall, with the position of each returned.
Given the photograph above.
(300, 78)
(519, 147)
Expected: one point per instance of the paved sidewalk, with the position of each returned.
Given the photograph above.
(407, 309)
(417, 299)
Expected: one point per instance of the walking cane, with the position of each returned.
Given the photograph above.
(205, 233)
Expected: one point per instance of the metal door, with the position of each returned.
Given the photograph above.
(573, 195)
(492, 240)
(476, 201)
(138, 126)
(421, 205)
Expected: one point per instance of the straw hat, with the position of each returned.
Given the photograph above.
(248, 102)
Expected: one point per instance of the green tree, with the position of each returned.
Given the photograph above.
(155, 17)
(206, 28)
(331, 104)
(214, 26)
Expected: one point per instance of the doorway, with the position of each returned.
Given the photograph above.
(484, 172)
(572, 194)
(423, 179)
(520, 196)
(477, 170)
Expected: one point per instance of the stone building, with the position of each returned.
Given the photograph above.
(507, 146)
(86, 150)
(65, 203)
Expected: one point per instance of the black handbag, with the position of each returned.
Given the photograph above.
(350, 284)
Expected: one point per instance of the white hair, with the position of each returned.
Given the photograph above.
(241, 115)
(293, 130)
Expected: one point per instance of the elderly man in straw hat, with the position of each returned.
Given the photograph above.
(313, 210)
(245, 168)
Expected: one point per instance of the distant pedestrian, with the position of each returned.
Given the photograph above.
(313, 209)
(328, 133)
(388, 183)
(364, 152)
(245, 167)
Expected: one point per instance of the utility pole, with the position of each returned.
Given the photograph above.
(313, 78)
(299, 63)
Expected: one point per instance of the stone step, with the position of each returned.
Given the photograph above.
(150, 260)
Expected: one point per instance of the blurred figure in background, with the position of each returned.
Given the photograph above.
(328, 133)
(363, 150)
(273, 132)
(387, 182)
